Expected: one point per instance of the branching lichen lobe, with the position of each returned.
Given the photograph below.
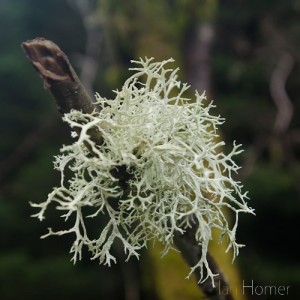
(177, 177)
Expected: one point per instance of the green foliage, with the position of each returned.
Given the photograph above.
(52, 278)
(250, 37)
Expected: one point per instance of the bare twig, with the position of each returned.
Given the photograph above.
(60, 78)
(279, 94)
(58, 75)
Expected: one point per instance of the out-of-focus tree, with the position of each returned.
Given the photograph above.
(256, 68)
(249, 52)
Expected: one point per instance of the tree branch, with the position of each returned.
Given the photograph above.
(191, 251)
(60, 78)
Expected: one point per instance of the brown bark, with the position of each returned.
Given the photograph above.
(60, 78)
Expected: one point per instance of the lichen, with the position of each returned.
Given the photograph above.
(160, 168)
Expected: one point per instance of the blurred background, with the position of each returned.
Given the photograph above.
(245, 54)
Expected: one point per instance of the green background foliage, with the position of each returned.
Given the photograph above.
(250, 39)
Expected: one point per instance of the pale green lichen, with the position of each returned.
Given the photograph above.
(170, 149)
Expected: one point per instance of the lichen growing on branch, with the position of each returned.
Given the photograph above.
(159, 170)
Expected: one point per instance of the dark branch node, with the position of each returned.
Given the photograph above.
(49, 61)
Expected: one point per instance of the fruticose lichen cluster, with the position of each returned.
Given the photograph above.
(168, 147)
